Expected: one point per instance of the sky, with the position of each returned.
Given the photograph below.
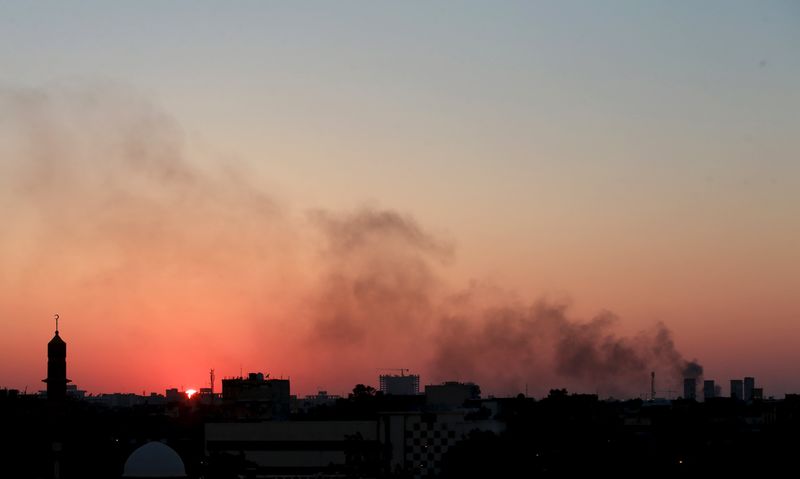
(521, 194)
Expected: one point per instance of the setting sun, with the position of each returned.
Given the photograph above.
(190, 393)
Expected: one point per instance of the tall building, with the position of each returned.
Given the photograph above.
(400, 385)
(257, 396)
(689, 388)
(737, 389)
(709, 389)
(56, 368)
(749, 385)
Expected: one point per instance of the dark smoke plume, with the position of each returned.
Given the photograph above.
(377, 278)
(516, 345)
(693, 370)
(100, 185)
(380, 293)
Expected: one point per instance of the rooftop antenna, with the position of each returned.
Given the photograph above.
(56, 315)
(211, 374)
(652, 385)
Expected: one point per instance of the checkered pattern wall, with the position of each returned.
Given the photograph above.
(426, 442)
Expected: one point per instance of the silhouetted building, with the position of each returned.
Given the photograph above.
(737, 389)
(412, 442)
(294, 448)
(450, 395)
(314, 400)
(173, 395)
(399, 385)
(207, 396)
(127, 400)
(56, 369)
(73, 391)
(758, 394)
(749, 384)
(709, 389)
(256, 396)
(419, 442)
(689, 388)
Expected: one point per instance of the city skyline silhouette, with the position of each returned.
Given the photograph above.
(691, 372)
(405, 240)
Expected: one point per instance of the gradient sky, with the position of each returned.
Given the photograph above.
(636, 157)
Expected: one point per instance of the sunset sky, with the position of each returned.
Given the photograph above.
(319, 190)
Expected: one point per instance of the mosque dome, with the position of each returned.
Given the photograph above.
(154, 460)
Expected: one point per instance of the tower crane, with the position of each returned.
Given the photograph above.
(402, 370)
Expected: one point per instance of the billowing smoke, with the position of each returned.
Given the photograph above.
(693, 370)
(539, 345)
(377, 280)
(109, 213)
(381, 295)
(110, 219)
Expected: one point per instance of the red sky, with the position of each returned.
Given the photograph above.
(165, 261)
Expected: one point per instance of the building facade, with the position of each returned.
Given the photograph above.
(399, 385)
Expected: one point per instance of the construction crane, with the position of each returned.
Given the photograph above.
(402, 370)
(653, 393)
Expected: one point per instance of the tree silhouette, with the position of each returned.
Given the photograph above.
(361, 391)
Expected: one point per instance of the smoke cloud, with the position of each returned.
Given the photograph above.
(193, 263)
(381, 292)
(539, 345)
(377, 279)
(112, 220)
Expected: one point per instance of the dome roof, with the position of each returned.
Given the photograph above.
(154, 459)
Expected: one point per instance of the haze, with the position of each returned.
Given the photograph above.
(321, 190)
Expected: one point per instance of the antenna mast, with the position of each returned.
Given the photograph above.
(211, 374)
(56, 315)
(652, 385)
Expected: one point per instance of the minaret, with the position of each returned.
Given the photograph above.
(56, 368)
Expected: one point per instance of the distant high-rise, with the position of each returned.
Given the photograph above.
(737, 389)
(56, 368)
(709, 389)
(399, 385)
(689, 388)
(749, 385)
